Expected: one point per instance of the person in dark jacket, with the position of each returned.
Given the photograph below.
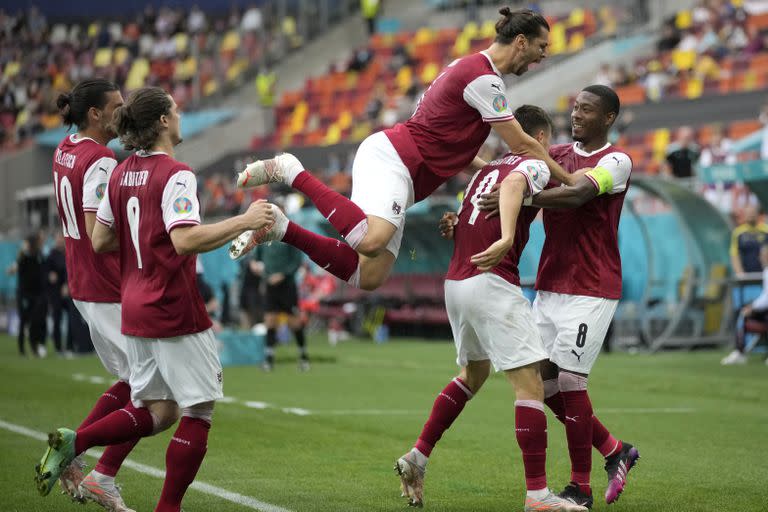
(30, 295)
(56, 271)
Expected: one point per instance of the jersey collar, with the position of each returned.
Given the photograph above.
(581, 152)
(143, 154)
(74, 139)
(490, 60)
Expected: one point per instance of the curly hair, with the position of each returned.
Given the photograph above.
(137, 122)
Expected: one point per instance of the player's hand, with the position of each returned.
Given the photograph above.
(491, 257)
(447, 222)
(490, 202)
(256, 267)
(276, 278)
(746, 310)
(259, 214)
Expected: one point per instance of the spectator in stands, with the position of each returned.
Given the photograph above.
(669, 39)
(196, 22)
(252, 20)
(757, 311)
(655, 81)
(682, 155)
(56, 270)
(718, 151)
(370, 10)
(746, 241)
(31, 295)
(764, 119)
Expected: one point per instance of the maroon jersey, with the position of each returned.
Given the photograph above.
(474, 233)
(81, 169)
(451, 122)
(581, 250)
(149, 195)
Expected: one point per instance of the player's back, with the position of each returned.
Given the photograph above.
(451, 121)
(81, 168)
(149, 195)
(474, 233)
(581, 249)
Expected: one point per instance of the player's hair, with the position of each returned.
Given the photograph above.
(532, 119)
(608, 98)
(73, 106)
(137, 122)
(522, 21)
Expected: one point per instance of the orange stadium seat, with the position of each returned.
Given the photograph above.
(631, 94)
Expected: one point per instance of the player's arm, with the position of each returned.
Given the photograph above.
(511, 193)
(95, 183)
(609, 176)
(194, 239)
(476, 164)
(520, 143)
(103, 237)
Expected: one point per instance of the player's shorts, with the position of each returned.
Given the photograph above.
(491, 319)
(382, 185)
(104, 320)
(185, 369)
(282, 297)
(573, 328)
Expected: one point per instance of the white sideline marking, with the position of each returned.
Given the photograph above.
(234, 497)
(257, 405)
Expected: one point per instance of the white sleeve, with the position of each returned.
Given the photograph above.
(487, 95)
(536, 173)
(611, 174)
(104, 213)
(95, 182)
(180, 205)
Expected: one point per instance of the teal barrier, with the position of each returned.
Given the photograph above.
(9, 251)
(238, 348)
(192, 123)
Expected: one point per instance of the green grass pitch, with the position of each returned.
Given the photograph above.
(702, 431)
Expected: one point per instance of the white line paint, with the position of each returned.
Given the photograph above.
(298, 411)
(239, 499)
(257, 405)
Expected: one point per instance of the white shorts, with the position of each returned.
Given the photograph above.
(104, 320)
(185, 369)
(573, 328)
(382, 185)
(491, 319)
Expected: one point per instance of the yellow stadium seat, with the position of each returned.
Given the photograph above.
(576, 43)
(404, 78)
(345, 120)
(461, 46)
(576, 18)
(120, 55)
(186, 69)
(660, 143)
(210, 87)
(471, 30)
(182, 42)
(333, 136)
(102, 58)
(557, 41)
(360, 131)
(93, 30)
(423, 36)
(299, 117)
(684, 59)
(137, 74)
(230, 42)
(429, 73)
(12, 69)
(488, 29)
(694, 88)
(683, 20)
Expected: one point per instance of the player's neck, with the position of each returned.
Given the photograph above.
(96, 135)
(163, 146)
(593, 145)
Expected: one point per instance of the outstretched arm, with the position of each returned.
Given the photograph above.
(566, 196)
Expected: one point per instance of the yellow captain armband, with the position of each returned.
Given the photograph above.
(603, 178)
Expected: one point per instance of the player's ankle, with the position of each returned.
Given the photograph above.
(538, 494)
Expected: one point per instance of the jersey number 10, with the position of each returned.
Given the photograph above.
(63, 191)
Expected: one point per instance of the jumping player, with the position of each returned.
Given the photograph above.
(491, 320)
(401, 166)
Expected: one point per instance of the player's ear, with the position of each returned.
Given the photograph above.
(610, 118)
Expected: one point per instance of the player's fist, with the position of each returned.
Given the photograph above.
(259, 214)
(447, 222)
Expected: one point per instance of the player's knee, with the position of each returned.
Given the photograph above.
(569, 381)
(372, 245)
(203, 411)
(371, 281)
(164, 414)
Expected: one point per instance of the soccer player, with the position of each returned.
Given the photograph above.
(579, 286)
(401, 166)
(151, 214)
(491, 320)
(82, 165)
